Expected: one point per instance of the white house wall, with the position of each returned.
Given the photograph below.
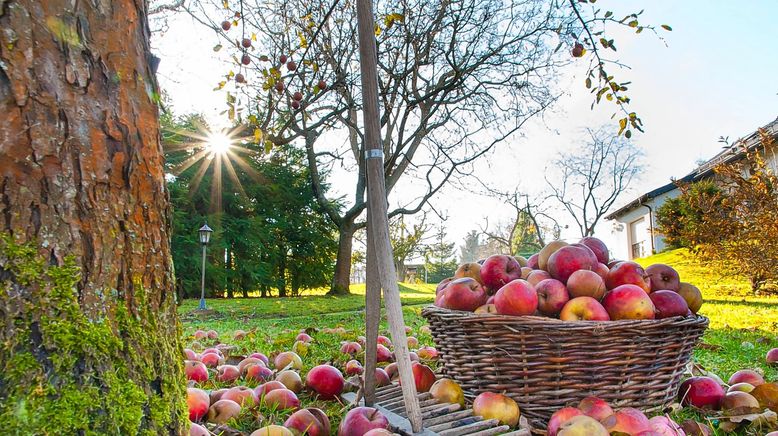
(623, 246)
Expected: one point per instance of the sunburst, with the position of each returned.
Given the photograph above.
(218, 148)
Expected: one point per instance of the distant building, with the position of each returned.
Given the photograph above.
(635, 223)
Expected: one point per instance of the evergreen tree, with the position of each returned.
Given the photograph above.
(469, 251)
(439, 259)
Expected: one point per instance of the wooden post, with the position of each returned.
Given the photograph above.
(378, 222)
(372, 317)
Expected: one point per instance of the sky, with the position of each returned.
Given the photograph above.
(715, 74)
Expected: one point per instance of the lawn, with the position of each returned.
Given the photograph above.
(742, 329)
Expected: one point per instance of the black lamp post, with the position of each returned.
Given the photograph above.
(205, 236)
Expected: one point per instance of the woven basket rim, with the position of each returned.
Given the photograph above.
(540, 321)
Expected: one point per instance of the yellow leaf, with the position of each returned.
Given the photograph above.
(257, 135)
(303, 41)
(231, 114)
(253, 36)
(622, 125)
(377, 30)
(225, 4)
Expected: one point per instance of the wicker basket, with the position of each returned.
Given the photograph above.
(546, 364)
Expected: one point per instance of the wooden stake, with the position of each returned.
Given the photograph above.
(372, 317)
(378, 221)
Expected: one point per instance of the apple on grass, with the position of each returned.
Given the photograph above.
(663, 277)
(353, 367)
(198, 402)
(242, 395)
(351, 348)
(195, 371)
(701, 392)
(490, 405)
(628, 273)
(291, 380)
(305, 337)
(310, 421)
(772, 356)
(383, 354)
(446, 390)
(746, 376)
(360, 420)
(583, 309)
(739, 403)
(288, 360)
(552, 297)
(742, 387)
(261, 357)
(325, 380)
(281, 399)
(628, 302)
(665, 426)
(382, 377)
(199, 430)
(227, 373)
(517, 298)
(428, 353)
(212, 360)
(249, 361)
(264, 388)
(586, 283)
(628, 421)
(222, 411)
(499, 270)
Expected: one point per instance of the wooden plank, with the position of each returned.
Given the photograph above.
(372, 318)
(378, 220)
(470, 428)
(433, 422)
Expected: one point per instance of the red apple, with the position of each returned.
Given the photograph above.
(383, 354)
(257, 372)
(190, 354)
(628, 302)
(350, 348)
(602, 270)
(353, 367)
(391, 370)
(583, 309)
(360, 420)
(692, 295)
(195, 371)
(200, 335)
(263, 389)
(199, 430)
(552, 297)
(242, 395)
(490, 405)
(663, 277)
(560, 417)
(668, 304)
(585, 283)
(227, 373)
(423, 377)
(291, 380)
(448, 391)
(701, 392)
(304, 337)
(212, 334)
(739, 403)
(472, 270)
(249, 361)
(211, 360)
(598, 248)
(627, 421)
(532, 262)
(537, 276)
(525, 272)
(382, 378)
(216, 394)
(281, 399)
(498, 270)
(198, 402)
(547, 251)
(567, 260)
(311, 421)
(222, 411)
(665, 426)
(597, 408)
(746, 376)
(261, 357)
(772, 356)
(517, 298)
(412, 342)
(326, 380)
(413, 356)
(383, 340)
(463, 294)
(443, 283)
(628, 273)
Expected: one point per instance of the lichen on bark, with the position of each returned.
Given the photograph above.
(63, 373)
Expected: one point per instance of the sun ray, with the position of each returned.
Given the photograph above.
(198, 177)
(234, 177)
(191, 160)
(216, 185)
(251, 172)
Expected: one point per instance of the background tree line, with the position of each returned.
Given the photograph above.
(270, 236)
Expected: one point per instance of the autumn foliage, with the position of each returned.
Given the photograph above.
(731, 221)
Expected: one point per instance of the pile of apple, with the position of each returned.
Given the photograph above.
(572, 282)
(595, 417)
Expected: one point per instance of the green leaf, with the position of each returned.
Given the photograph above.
(217, 47)
(633, 23)
(588, 82)
(628, 134)
(666, 27)
(608, 14)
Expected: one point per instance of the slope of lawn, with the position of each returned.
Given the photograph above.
(743, 327)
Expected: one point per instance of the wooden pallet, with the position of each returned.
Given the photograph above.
(443, 419)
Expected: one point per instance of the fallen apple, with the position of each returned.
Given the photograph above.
(195, 371)
(310, 421)
(360, 420)
(288, 360)
(270, 430)
(491, 405)
(291, 380)
(198, 402)
(242, 395)
(280, 399)
(701, 392)
(560, 417)
(222, 411)
(423, 377)
(325, 380)
(746, 376)
(446, 390)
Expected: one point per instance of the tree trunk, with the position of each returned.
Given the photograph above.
(282, 275)
(228, 274)
(87, 299)
(342, 278)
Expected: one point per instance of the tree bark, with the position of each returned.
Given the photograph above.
(282, 275)
(87, 299)
(342, 278)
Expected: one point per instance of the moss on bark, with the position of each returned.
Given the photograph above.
(68, 370)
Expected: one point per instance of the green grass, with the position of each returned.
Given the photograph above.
(742, 328)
